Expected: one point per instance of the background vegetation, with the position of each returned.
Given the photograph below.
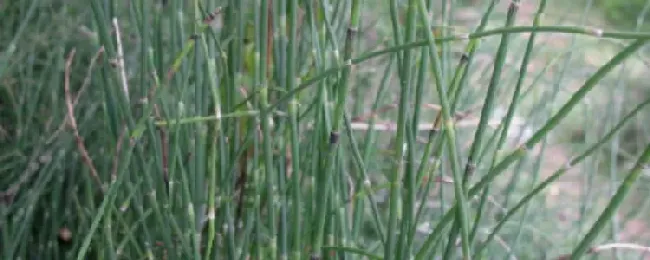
(623, 13)
(363, 129)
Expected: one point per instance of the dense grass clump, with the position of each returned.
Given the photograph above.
(286, 129)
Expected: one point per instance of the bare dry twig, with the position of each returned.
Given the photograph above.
(73, 122)
(83, 88)
(118, 148)
(600, 248)
(7, 195)
(461, 119)
(120, 59)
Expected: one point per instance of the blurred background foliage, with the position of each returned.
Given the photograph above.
(624, 13)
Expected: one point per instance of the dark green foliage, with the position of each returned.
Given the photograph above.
(623, 13)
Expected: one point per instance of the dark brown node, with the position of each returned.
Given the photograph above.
(334, 138)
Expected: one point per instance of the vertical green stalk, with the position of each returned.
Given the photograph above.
(369, 141)
(333, 161)
(486, 113)
(516, 97)
(261, 74)
(404, 146)
(397, 33)
(455, 90)
(198, 167)
(449, 133)
(294, 131)
(488, 105)
(280, 75)
(216, 131)
(317, 182)
(393, 248)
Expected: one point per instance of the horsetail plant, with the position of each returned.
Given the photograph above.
(321, 129)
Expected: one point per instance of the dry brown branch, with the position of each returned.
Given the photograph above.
(392, 126)
(461, 119)
(73, 122)
(118, 148)
(371, 114)
(600, 248)
(458, 116)
(83, 88)
(120, 59)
